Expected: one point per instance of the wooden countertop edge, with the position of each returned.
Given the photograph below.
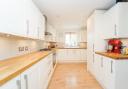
(72, 48)
(19, 71)
(112, 56)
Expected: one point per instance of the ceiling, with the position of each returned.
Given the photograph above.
(70, 14)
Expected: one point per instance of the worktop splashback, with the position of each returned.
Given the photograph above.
(11, 47)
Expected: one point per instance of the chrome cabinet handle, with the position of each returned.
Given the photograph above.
(115, 30)
(93, 58)
(18, 82)
(111, 66)
(27, 22)
(93, 47)
(38, 31)
(26, 81)
(102, 62)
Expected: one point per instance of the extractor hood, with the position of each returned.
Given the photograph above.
(46, 30)
(121, 1)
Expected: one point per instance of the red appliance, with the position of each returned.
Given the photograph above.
(114, 45)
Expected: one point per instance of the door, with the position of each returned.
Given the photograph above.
(12, 84)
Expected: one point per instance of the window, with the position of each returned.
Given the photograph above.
(71, 39)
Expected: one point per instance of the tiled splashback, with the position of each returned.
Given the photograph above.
(11, 47)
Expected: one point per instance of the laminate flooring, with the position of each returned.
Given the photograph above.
(73, 76)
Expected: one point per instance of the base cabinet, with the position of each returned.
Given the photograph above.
(29, 78)
(12, 84)
(110, 73)
(71, 55)
(35, 77)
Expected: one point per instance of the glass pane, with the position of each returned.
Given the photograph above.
(71, 39)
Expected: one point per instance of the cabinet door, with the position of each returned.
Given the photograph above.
(62, 55)
(109, 73)
(115, 23)
(83, 54)
(43, 69)
(12, 17)
(12, 84)
(122, 20)
(41, 27)
(110, 24)
(90, 42)
(31, 19)
(98, 67)
(30, 79)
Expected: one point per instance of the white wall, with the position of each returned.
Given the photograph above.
(9, 47)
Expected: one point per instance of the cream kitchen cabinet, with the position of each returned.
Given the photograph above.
(21, 18)
(12, 84)
(12, 17)
(29, 79)
(104, 72)
(41, 27)
(38, 76)
(97, 68)
(35, 77)
(110, 72)
(71, 55)
(83, 35)
(83, 55)
(35, 21)
(95, 42)
(115, 21)
(31, 19)
(61, 55)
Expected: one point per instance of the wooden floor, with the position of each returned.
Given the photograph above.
(73, 76)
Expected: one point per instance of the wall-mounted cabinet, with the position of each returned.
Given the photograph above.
(115, 21)
(21, 18)
(82, 36)
(12, 17)
(35, 22)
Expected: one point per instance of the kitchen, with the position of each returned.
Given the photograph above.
(63, 44)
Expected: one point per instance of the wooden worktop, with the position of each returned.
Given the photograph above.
(113, 55)
(72, 48)
(12, 67)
